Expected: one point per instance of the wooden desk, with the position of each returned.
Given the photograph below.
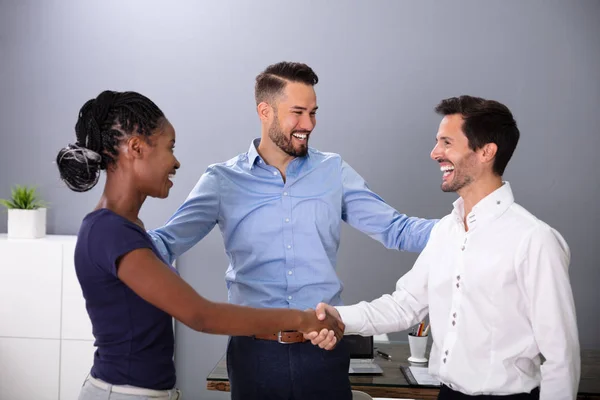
(393, 384)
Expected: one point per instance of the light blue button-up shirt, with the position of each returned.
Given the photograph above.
(282, 237)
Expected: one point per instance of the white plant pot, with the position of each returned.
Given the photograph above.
(26, 224)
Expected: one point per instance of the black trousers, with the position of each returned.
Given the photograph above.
(267, 370)
(448, 394)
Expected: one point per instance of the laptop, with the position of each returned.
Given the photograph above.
(362, 355)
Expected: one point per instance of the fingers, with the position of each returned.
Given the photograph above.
(321, 311)
(335, 321)
(331, 346)
(342, 329)
(310, 336)
(328, 340)
(337, 326)
(325, 339)
(319, 337)
(337, 331)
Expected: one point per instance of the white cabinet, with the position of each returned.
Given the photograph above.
(46, 342)
(30, 285)
(29, 368)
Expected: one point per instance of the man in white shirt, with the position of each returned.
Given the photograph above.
(493, 278)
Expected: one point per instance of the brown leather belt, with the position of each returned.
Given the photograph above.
(285, 337)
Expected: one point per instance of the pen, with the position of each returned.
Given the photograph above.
(426, 331)
(384, 355)
(420, 329)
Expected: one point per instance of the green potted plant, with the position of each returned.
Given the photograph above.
(26, 213)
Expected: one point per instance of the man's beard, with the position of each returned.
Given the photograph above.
(462, 177)
(458, 182)
(285, 143)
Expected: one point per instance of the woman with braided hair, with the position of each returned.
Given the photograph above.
(131, 293)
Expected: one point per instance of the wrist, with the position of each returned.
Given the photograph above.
(301, 321)
(346, 314)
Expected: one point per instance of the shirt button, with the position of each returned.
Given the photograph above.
(289, 246)
(444, 360)
(287, 220)
(458, 285)
(462, 248)
(275, 173)
(458, 277)
(453, 323)
(289, 297)
(454, 315)
(446, 352)
(285, 193)
(289, 272)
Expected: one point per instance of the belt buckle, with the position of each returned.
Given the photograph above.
(279, 340)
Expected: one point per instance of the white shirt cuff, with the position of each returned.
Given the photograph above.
(352, 318)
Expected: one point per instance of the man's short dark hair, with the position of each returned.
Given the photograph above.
(485, 121)
(271, 82)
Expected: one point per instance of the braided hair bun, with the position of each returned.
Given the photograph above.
(79, 167)
(102, 123)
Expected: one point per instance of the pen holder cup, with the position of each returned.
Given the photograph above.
(418, 348)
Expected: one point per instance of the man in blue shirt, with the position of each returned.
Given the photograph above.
(280, 206)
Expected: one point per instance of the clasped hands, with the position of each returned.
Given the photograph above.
(326, 328)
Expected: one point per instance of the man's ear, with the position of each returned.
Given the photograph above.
(488, 152)
(264, 111)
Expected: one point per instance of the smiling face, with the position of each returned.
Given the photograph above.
(293, 119)
(460, 165)
(157, 163)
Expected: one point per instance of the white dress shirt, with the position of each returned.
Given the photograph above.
(498, 296)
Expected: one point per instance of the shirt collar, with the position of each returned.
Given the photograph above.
(488, 208)
(253, 153)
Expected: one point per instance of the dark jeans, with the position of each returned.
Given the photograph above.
(268, 370)
(448, 394)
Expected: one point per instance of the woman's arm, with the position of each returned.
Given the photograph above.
(153, 281)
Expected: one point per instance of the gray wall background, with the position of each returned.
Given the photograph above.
(383, 66)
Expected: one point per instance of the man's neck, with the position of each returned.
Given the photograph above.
(273, 155)
(475, 192)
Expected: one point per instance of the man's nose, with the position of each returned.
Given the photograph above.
(435, 153)
(307, 123)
